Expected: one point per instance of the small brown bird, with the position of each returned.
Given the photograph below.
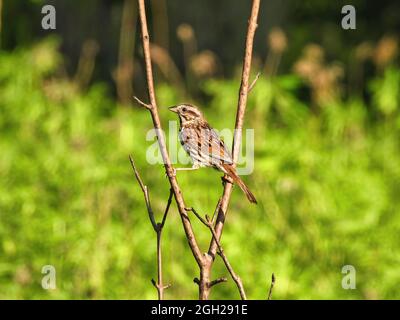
(204, 146)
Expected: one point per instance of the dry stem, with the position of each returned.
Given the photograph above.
(152, 107)
(271, 287)
(158, 227)
(223, 204)
(208, 223)
(204, 261)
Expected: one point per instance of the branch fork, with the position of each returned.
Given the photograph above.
(143, 104)
(204, 261)
(157, 226)
(209, 224)
(158, 286)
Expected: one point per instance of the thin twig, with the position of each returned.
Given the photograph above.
(271, 287)
(254, 82)
(216, 210)
(234, 276)
(208, 223)
(171, 193)
(145, 193)
(140, 102)
(242, 101)
(157, 286)
(158, 227)
(219, 280)
(152, 107)
(161, 139)
(203, 221)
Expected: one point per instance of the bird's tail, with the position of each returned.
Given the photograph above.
(232, 173)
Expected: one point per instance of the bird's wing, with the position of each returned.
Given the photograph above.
(214, 146)
(204, 145)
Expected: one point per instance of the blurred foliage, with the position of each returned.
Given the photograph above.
(386, 91)
(217, 29)
(327, 179)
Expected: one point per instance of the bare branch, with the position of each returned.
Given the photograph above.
(216, 210)
(204, 261)
(159, 287)
(145, 193)
(169, 285)
(140, 102)
(271, 287)
(171, 193)
(198, 216)
(242, 101)
(163, 146)
(158, 227)
(211, 283)
(219, 280)
(208, 223)
(161, 139)
(254, 82)
(234, 276)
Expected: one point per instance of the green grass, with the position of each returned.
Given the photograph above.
(327, 184)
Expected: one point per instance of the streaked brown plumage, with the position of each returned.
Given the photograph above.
(204, 146)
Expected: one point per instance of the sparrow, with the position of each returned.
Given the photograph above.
(204, 146)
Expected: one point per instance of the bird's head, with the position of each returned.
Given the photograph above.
(187, 112)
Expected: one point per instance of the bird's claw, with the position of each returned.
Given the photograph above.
(226, 179)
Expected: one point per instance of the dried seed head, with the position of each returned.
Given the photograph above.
(322, 78)
(277, 40)
(314, 52)
(185, 32)
(204, 64)
(385, 51)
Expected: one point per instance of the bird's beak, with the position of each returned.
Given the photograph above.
(173, 109)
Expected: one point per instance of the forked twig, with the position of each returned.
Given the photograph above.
(208, 223)
(158, 227)
(140, 102)
(161, 225)
(204, 261)
(216, 210)
(145, 193)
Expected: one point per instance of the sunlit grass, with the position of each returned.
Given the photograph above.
(327, 184)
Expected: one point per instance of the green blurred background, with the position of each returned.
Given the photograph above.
(327, 160)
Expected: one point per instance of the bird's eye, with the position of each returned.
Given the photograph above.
(184, 109)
